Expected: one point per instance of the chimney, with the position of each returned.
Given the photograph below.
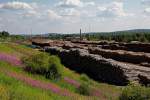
(80, 35)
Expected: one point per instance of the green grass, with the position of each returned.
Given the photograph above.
(11, 89)
(61, 83)
(135, 92)
(4, 48)
(109, 92)
(17, 50)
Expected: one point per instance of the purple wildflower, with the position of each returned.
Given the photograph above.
(40, 84)
(94, 92)
(71, 81)
(10, 58)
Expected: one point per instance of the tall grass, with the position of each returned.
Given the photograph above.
(15, 89)
(4, 48)
(135, 92)
(7, 67)
(48, 66)
(11, 89)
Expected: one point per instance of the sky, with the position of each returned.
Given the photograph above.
(68, 16)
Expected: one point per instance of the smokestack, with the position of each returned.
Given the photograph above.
(80, 35)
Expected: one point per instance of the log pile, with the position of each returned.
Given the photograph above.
(122, 55)
(136, 47)
(111, 62)
(101, 69)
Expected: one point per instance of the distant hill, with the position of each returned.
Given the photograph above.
(136, 31)
(120, 32)
(60, 35)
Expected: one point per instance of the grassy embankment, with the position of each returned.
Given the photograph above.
(25, 87)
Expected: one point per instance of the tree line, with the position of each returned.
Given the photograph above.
(4, 34)
(112, 36)
(120, 37)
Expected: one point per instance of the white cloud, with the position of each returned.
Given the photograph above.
(115, 9)
(73, 10)
(70, 3)
(146, 2)
(23, 9)
(70, 12)
(74, 3)
(31, 13)
(52, 15)
(15, 5)
(90, 3)
(73, 14)
(147, 11)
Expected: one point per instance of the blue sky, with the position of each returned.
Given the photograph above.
(68, 16)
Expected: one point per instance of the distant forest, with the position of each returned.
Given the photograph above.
(112, 36)
(120, 36)
(6, 36)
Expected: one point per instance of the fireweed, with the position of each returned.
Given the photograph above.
(44, 85)
(10, 58)
(71, 81)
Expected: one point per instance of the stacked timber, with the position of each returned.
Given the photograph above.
(136, 47)
(100, 68)
(123, 55)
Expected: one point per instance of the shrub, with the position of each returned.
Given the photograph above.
(55, 69)
(37, 63)
(135, 92)
(49, 66)
(53, 73)
(84, 89)
(84, 77)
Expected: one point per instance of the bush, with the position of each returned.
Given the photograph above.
(135, 92)
(84, 77)
(55, 69)
(49, 66)
(84, 89)
(53, 73)
(37, 63)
